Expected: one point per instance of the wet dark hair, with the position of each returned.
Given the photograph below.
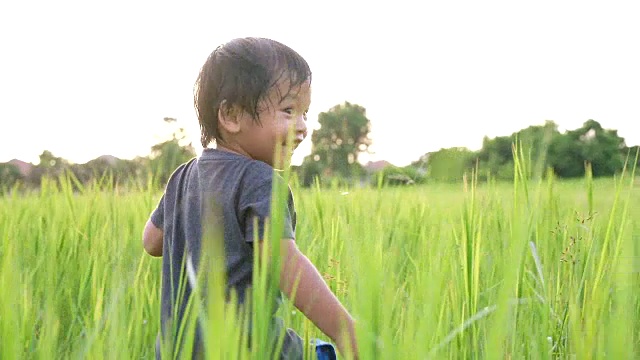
(241, 73)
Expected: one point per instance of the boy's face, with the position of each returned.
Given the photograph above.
(276, 118)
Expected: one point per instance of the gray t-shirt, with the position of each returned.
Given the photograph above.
(229, 191)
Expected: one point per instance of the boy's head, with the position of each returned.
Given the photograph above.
(249, 92)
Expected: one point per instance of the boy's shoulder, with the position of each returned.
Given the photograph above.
(259, 174)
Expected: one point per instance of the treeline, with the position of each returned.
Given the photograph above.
(343, 135)
(543, 148)
(151, 170)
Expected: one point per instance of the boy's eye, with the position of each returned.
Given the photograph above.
(291, 110)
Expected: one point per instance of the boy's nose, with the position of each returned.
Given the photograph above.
(301, 127)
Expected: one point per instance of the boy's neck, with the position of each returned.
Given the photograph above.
(231, 149)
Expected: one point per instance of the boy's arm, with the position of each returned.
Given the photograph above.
(152, 239)
(314, 298)
(152, 235)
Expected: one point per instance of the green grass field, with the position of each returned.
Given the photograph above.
(535, 270)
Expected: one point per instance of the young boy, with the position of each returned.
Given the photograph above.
(249, 93)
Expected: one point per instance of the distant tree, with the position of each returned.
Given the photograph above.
(168, 155)
(496, 157)
(449, 164)
(103, 168)
(9, 176)
(422, 162)
(309, 171)
(342, 137)
(51, 163)
(632, 152)
(589, 144)
(49, 166)
(534, 143)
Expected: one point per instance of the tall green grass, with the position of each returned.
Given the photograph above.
(533, 269)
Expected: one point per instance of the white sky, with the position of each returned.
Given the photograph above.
(86, 80)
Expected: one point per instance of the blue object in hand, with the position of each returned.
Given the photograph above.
(325, 350)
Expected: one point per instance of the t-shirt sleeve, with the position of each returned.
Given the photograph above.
(256, 204)
(157, 215)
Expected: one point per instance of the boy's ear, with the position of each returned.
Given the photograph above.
(229, 117)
